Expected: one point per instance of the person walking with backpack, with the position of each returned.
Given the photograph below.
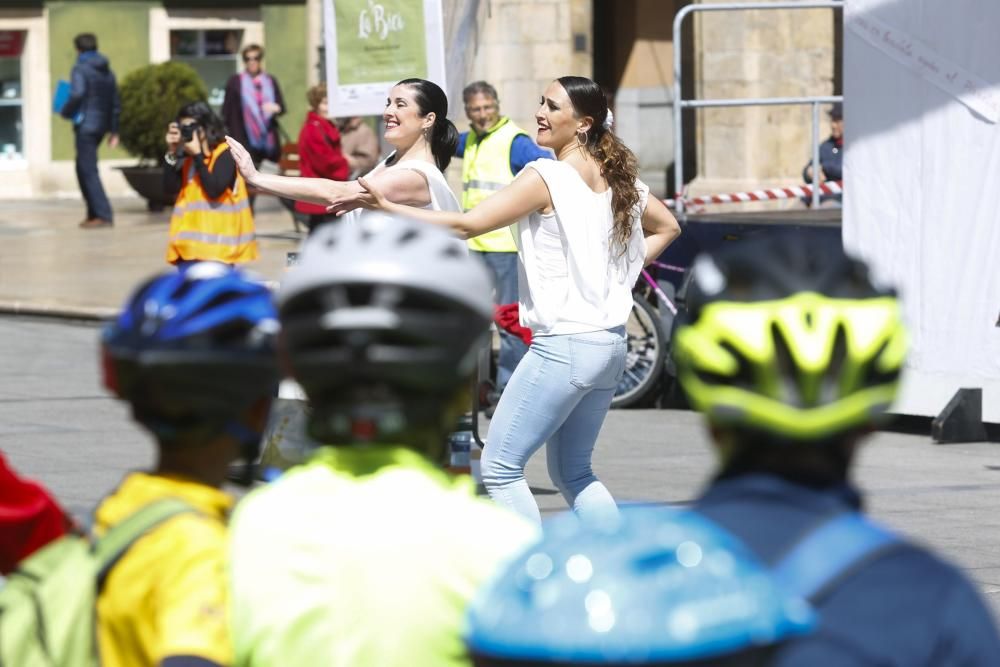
(585, 227)
(794, 353)
(211, 219)
(94, 107)
(193, 354)
(367, 554)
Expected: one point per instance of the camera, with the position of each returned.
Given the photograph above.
(187, 132)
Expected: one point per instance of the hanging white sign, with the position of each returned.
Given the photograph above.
(372, 44)
(972, 91)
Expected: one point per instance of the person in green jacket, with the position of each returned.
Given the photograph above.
(369, 552)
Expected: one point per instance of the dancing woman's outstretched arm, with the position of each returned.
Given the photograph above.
(527, 193)
(400, 185)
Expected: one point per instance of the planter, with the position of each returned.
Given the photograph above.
(148, 182)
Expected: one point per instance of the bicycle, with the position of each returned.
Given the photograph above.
(647, 361)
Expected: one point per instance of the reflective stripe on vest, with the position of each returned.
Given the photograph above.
(486, 169)
(220, 230)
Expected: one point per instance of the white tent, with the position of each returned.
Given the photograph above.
(922, 193)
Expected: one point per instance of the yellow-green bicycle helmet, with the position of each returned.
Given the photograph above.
(788, 336)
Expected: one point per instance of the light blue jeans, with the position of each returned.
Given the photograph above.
(559, 395)
(503, 266)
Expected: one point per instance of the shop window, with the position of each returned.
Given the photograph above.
(11, 98)
(214, 54)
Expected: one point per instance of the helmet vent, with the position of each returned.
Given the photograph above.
(408, 236)
(453, 251)
(788, 375)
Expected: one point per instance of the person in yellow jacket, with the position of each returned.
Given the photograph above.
(212, 219)
(493, 152)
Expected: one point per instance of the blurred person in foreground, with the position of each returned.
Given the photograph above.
(654, 586)
(793, 353)
(211, 219)
(193, 353)
(320, 153)
(368, 554)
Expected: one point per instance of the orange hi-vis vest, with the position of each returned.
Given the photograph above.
(203, 229)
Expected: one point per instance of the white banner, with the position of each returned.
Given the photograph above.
(372, 44)
(968, 88)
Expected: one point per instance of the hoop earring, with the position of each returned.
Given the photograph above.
(583, 141)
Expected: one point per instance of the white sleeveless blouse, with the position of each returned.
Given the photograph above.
(571, 278)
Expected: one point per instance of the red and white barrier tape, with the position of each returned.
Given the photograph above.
(798, 192)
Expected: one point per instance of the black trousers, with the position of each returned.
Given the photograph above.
(88, 177)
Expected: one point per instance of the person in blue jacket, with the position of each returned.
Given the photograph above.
(94, 107)
(793, 354)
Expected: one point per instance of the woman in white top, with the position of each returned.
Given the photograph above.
(416, 125)
(591, 227)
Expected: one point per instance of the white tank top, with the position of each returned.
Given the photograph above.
(571, 278)
(442, 198)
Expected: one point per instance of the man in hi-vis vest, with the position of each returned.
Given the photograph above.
(493, 153)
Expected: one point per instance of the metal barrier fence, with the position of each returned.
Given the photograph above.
(680, 103)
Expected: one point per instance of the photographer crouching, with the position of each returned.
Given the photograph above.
(212, 219)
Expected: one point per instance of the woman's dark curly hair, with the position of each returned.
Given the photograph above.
(619, 166)
(215, 131)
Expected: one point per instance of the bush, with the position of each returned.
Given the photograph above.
(151, 97)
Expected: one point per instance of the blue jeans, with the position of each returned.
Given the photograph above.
(503, 266)
(88, 177)
(559, 395)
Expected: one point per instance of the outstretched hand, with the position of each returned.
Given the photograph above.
(369, 198)
(241, 156)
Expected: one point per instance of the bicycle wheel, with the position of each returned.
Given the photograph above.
(644, 358)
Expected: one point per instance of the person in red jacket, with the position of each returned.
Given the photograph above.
(29, 518)
(320, 153)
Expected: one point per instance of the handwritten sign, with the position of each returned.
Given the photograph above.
(969, 89)
(372, 44)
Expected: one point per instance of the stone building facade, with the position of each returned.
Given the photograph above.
(518, 45)
(627, 46)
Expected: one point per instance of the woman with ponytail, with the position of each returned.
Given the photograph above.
(416, 125)
(589, 228)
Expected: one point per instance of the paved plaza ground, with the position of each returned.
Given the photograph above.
(59, 425)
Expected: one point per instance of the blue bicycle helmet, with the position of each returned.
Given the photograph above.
(657, 587)
(192, 350)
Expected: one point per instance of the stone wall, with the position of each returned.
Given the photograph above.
(765, 53)
(524, 44)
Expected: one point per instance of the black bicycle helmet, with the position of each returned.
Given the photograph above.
(789, 336)
(396, 306)
(192, 350)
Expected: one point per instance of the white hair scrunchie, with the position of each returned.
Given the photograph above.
(609, 120)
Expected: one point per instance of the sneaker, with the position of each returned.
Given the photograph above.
(95, 223)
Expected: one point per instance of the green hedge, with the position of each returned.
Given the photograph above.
(151, 97)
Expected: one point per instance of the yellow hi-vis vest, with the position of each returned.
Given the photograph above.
(219, 230)
(486, 169)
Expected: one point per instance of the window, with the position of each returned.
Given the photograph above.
(11, 101)
(214, 54)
